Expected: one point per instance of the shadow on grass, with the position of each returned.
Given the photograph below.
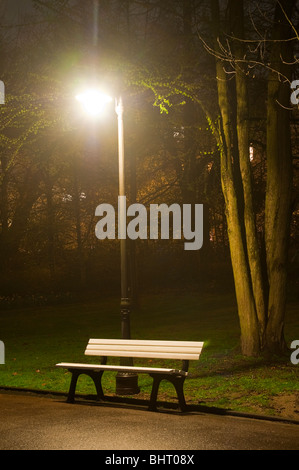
(229, 364)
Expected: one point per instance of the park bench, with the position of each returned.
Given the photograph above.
(174, 350)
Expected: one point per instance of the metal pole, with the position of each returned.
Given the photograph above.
(126, 383)
(124, 302)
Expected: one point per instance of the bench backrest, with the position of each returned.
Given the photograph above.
(183, 350)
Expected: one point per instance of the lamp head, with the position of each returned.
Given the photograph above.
(93, 101)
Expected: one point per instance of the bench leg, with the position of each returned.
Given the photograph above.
(153, 400)
(96, 377)
(178, 383)
(71, 394)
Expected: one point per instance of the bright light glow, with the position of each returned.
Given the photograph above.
(93, 101)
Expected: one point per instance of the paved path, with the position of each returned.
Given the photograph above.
(34, 422)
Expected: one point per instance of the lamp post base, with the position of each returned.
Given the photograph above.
(127, 384)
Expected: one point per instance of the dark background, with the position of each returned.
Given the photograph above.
(57, 165)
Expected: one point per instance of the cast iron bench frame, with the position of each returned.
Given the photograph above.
(176, 350)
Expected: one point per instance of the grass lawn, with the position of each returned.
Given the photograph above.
(36, 338)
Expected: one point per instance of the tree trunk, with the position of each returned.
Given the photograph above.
(279, 177)
(77, 213)
(261, 317)
(250, 341)
(50, 225)
(13, 234)
(252, 245)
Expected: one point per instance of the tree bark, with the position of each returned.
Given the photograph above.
(252, 245)
(13, 234)
(261, 316)
(279, 177)
(250, 341)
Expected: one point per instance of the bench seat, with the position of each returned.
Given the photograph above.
(116, 368)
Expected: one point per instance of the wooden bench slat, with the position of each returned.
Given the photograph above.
(148, 348)
(142, 342)
(182, 350)
(151, 355)
(147, 370)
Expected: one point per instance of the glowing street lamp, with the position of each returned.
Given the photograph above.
(93, 102)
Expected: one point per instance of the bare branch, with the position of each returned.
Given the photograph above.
(288, 19)
(234, 62)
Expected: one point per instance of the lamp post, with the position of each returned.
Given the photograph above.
(93, 101)
(124, 302)
(126, 383)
